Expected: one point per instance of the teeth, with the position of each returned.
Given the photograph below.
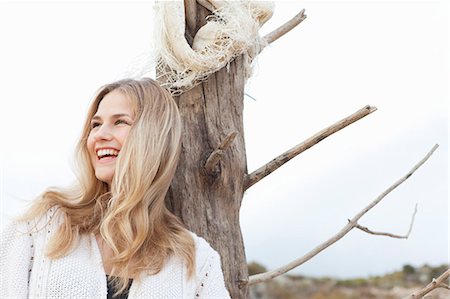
(104, 152)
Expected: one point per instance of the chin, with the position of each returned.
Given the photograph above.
(104, 177)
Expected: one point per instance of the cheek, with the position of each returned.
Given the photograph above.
(90, 145)
(122, 135)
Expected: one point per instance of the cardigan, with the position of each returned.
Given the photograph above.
(25, 271)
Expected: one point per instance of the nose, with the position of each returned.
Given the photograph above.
(104, 132)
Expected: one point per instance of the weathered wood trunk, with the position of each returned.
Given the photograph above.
(208, 203)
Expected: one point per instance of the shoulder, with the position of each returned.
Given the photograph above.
(206, 257)
(33, 227)
(203, 249)
(48, 220)
(25, 224)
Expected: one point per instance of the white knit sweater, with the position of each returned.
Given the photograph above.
(25, 272)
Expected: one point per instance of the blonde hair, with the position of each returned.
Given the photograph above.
(131, 215)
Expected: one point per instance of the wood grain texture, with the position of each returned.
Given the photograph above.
(209, 204)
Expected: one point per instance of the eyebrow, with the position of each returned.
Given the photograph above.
(96, 117)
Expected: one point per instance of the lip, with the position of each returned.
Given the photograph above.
(106, 160)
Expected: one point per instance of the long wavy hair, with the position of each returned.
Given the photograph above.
(130, 215)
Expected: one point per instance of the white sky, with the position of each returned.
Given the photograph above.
(345, 55)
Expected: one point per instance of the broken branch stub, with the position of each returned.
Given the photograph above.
(285, 28)
(216, 155)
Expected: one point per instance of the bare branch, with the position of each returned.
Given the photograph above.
(412, 221)
(206, 4)
(285, 28)
(365, 229)
(271, 166)
(351, 224)
(395, 185)
(216, 155)
(435, 283)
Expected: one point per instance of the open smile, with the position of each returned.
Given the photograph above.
(107, 154)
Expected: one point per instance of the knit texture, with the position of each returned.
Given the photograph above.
(27, 273)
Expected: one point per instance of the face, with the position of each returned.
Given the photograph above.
(109, 129)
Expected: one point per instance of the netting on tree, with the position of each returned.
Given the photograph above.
(231, 30)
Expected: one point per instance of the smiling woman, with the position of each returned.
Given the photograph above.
(111, 234)
(345, 55)
(109, 129)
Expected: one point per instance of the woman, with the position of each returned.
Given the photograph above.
(111, 234)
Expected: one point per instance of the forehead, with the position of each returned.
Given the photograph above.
(115, 102)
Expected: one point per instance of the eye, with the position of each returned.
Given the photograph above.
(122, 121)
(95, 124)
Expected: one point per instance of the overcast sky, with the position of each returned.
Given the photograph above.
(345, 55)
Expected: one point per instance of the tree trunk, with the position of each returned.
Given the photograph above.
(209, 203)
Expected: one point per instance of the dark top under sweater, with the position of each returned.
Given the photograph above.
(112, 289)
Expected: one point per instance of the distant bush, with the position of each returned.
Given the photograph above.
(408, 270)
(352, 283)
(437, 271)
(255, 268)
